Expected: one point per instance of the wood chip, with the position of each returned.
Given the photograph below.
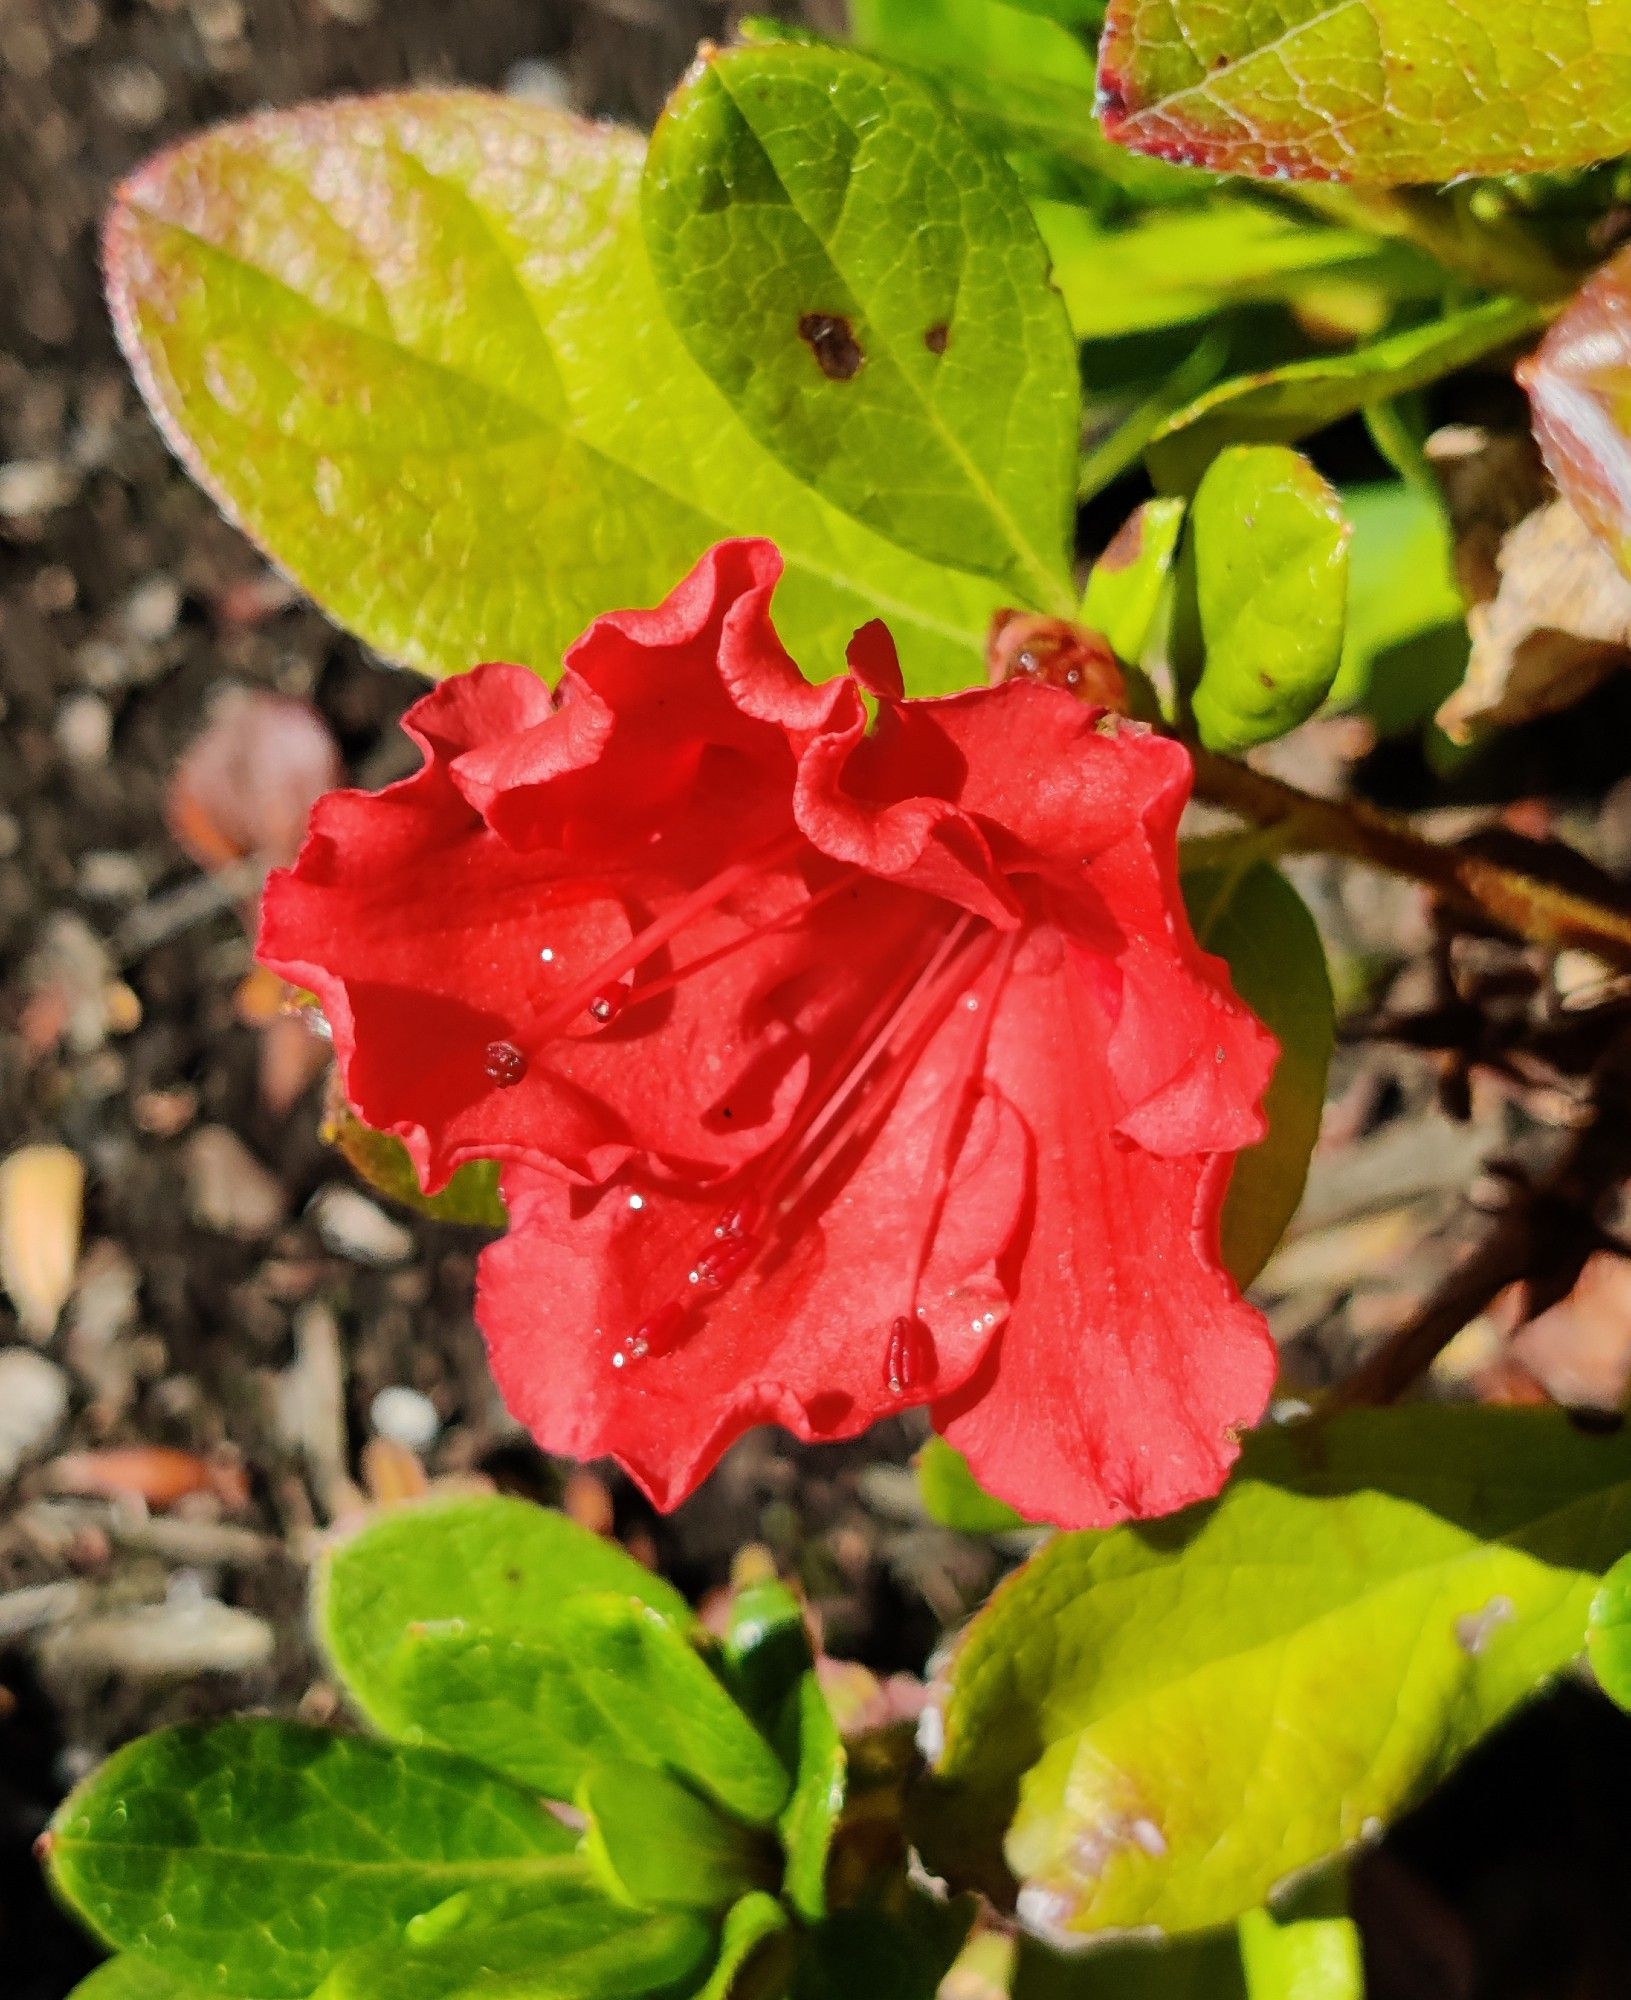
(42, 1209)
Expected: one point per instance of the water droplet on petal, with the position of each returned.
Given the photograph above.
(548, 954)
(608, 1003)
(637, 1202)
(909, 1360)
(504, 1064)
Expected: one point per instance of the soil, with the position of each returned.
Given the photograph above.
(222, 1311)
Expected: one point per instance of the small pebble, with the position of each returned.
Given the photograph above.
(227, 1187)
(354, 1227)
(110, 875)
(33, 1404)
(84, 729)
(152, 609)
(539, 83)
(35, 486)
(405, 1417)
(134, 95)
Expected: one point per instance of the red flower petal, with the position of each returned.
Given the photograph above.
(1129, 1360)
(800, 1335)
(838, 1067)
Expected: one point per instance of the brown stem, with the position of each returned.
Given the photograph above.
(1518, 900)
(1499, 1260)
(1543, 1237)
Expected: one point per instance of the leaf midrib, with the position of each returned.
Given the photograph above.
(1606, 1500)
(905, 613)
(1202, 87)
(1054, 592)
(526, 1867)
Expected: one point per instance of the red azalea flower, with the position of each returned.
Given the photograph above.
(839, 1063)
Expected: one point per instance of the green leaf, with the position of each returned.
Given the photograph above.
(1257, 923)
(812, 1738)
(130, 1978)
(412, 344)
(770, 1666)
(1026, 82)
(955, 1498)
(1308, 1958)
(1124, 591)
(607, 1680)
(655, 1843)
(1269, 554)
(1173, 266)
(500, 1568)
(1163, 1723)
(1406, 642)
(766, 1650)
(749, 1925)
(1368, 90)
(920, 376)
(471, 1197)
(1579, 386)
(1608, 1637)
(575, 1944)
(1289, 402)
(251, 1856)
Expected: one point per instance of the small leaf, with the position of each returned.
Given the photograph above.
(1124, 591)
(653, 1842)
(1292, 401)
(1579, 385)
(1162, 1724)
(955, 1498)
(1269, 552)
(470, 1198)
(252, 1856)
(1257, 923)
(605, 1680)
(767, 1650)
(1363, 90)
(1405, 645)
(573, 1944)
(749, 1925)
(1301, 1958)
(498, 1567)
(920, 378)
(1608, 1637)
(412, 344)
(129, 1978)
(1025, 82)
(811, 1738)
(1173, 266)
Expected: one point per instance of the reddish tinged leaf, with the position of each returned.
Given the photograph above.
(1579, 384)
(247, 783)
(1368, 90)
(916, 1089)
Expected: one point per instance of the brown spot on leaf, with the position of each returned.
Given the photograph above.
(831, 339)
(936, 338)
